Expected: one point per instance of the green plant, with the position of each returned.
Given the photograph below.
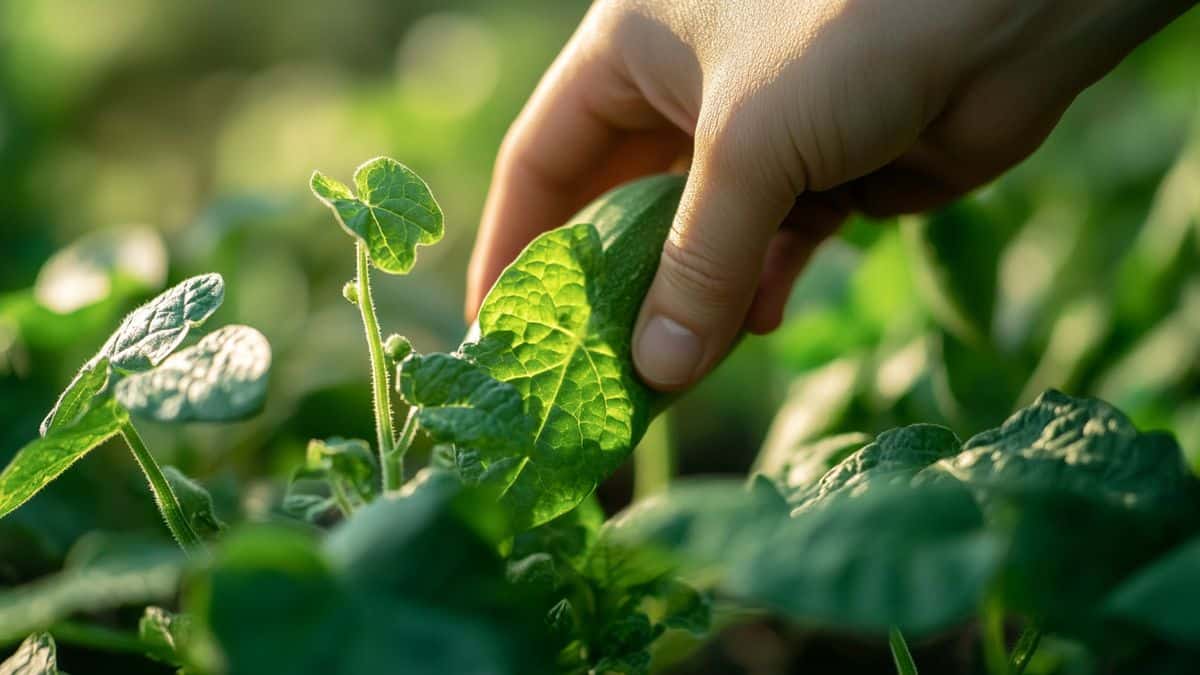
(496, 557)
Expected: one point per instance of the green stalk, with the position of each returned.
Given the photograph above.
(102, 638)
(408, 433)
(900, 654)
(381, 388)
(653, 460)
(1027, 644)
(164, 496)
(995, 649)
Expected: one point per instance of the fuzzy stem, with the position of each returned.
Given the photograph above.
(408, 433)
(381, 388)
(900, 654)
(164, 496)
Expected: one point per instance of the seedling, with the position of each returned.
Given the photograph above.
(139, 373)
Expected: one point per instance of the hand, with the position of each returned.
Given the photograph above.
(794, 113)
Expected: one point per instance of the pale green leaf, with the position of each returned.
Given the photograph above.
(165, 633)
(101, 264)
(393, 213)
(37, 655)
(157, 328)
(221, 378)
(196, 502)
(78, 397)
(45, 458)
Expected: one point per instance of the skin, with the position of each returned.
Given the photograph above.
(788, 115)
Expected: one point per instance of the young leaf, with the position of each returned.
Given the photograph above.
(219, 379)
(166, 634)
(1163, 596)
(1083, 447)
(557, 327)
(78, 397)
(393, 213)
(142, 341)
(45, 458)
(896, 455)
(37, 655)
(345, 469)
(197, 504)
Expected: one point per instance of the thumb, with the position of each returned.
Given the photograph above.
(709, 270)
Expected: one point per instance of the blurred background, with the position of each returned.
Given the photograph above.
(142, 142)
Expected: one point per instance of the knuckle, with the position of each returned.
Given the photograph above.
(698, 274)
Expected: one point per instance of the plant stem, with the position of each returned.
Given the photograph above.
(1027, 644)
(408, 434)
(381, 389)
(995, 650)
(100, 637)
(164, 496)
(653, 460)
(900, 654)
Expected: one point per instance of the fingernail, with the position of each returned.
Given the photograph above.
(667, 353)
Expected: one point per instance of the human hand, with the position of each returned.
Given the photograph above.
(794, 114)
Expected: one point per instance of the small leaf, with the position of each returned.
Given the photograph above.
(78, 397)
(1083, 447)
(393, 214)
(219, 379)
(166, 633)
(338, 473)
(683, 607)
(196, 502)
(1163, 596)
(45, 458)
(37, 655)
(896, 455)
(157, 328)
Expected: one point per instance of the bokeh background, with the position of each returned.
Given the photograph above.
(144, 141)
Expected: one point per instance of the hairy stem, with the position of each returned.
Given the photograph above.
(380, 383)
(1026, 645)
(653, 460)
(164, 496)
(408, 433)
(900, 654)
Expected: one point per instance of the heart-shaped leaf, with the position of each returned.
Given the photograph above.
(393, 213)
(221, 378)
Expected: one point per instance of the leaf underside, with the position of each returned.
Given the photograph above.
(221, 378)
(393, 213)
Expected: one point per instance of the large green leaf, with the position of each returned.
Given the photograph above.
(45, 458)
(142, 341)
(895, 456)
(117, 578)
(1164, 596)
(37, 655)
(557, 327)
(1077, 446)
(393, 213)
(221, 378)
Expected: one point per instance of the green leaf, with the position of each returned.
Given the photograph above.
(157, 328)
(219, 379)
(166, 634)
(895, 456)
(1163, 597)
(344, 469)
(125, 576)
(916, 558)
(393, 214)
(78, 397)
(45, 458)
(37, 655)
(196, 502)
(682, 607)
(557, 326)
(1084, 447)
(144, 338)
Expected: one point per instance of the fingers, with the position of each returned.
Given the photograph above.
(570, 143)
(708, 273)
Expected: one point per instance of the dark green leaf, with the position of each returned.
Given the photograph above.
(45, 458)
(338, 473)
(682, 607)
(37, 655)
(393, 214)
(1164, 596)
(1084, 447)
(196, 503)
(219, 379)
